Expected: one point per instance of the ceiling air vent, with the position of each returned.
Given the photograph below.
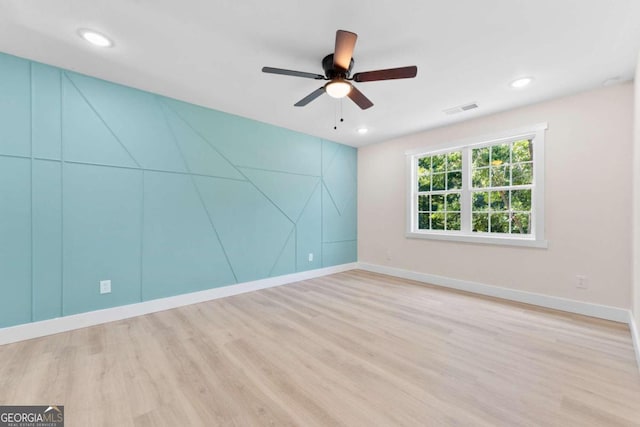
(460, 108)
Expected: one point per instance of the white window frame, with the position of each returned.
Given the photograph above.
(536, 133)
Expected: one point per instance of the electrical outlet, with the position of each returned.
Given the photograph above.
(388, 255)
(310, 256)
(582, 282)
(105, 286)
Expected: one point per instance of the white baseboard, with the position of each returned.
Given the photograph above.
(635, 336)
(564, 304)
(92, 318)
(83, 320)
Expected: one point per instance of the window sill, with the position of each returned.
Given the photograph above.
(481, 239)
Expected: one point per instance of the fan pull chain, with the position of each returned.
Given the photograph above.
(335, 116)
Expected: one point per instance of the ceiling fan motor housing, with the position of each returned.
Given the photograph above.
(331, 72)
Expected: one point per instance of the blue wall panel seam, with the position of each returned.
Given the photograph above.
(295, 247)
(15, 156)
(142, 237)
(31, 163)
(44, 159)
(277, 170)
(104, 165)
(62, 257)
(322, 142)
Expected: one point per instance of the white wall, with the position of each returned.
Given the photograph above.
(588, 204)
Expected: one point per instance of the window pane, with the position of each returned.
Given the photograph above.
(423, 203)
(437, 202)
(480, 178)
(480, 222)
(453, 202)
(453, 221)
(480, 201)
(423, 221)
(438, 181)
(437, 221)
(480, 157)
(439, 162)
(424, 164)
(454, 180)
(499, 200)
(520, 223)
(522, 173)
(499, 223)
(500, 176)
(424, 183)
(522, 151)
(454, 161)
(521, 200)
(500, 154)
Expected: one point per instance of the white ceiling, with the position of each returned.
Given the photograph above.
(210, 52)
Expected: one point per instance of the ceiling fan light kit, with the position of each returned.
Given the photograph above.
(338, 88)
(337, 70)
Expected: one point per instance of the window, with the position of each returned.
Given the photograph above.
(487, 190)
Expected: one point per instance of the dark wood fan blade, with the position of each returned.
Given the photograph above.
(345, 43)
(307, 99)
(284, 72)
(359, 98)
(389, 74)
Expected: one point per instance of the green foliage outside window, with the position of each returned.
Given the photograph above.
(502, 210)
(441, 175)
(496, 206)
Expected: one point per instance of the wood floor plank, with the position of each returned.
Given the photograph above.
(350, 349)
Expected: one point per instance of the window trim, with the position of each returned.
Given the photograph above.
(536, 239)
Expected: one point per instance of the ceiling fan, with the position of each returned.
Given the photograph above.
(337, 70)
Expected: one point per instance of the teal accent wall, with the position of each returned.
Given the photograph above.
(100, 181)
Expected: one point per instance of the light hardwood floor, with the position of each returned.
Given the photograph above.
(352, 349)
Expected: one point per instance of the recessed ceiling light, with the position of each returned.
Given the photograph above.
(95, 38)
(362, 131)
(521, 82)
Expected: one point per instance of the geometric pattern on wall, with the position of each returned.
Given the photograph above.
(339, 178)
(102, 181)
(136, 119)
(180, 246)
(339, 210)
(251, 144)
(291, 202)
(252, 230)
